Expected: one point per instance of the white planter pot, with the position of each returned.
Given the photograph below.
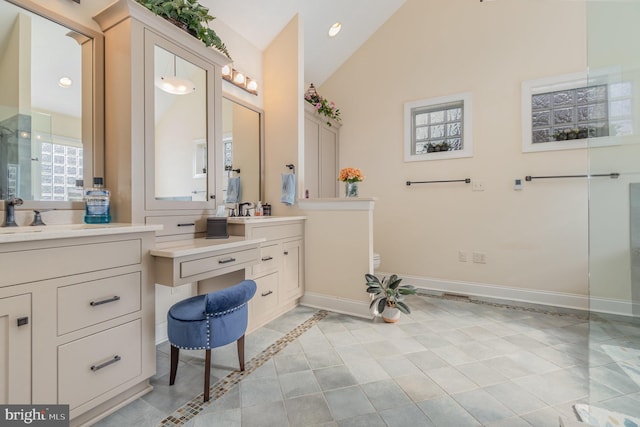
(391, 314)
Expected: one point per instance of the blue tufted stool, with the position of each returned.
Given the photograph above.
(209, 321)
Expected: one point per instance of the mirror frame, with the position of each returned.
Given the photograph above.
(219, 150)
(93, 110)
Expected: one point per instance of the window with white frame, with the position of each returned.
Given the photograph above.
(438, 128)
(562, 112)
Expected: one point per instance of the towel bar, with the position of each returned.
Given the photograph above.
(466, 180)
(613, 175)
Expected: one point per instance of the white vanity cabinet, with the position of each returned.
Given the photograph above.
(280, 274)
(15, 358)
(160, 146)
(76, 313)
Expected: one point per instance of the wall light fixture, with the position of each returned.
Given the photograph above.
(239, 79)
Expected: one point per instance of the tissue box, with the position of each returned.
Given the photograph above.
(217, 228)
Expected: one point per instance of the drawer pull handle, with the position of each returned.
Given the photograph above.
(187, 224)
(267, 258)
(23, 321)
(115, 359)
(226, 261)
(104, 301)
(264, 294)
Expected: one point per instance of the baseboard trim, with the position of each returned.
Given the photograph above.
(337, 305)
(161, 333)
(526, 296)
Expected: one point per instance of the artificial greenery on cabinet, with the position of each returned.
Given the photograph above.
(189, 15)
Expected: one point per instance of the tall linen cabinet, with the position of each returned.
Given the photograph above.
(138, 167)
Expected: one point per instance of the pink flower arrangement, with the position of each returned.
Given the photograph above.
(351, 175)
(321, 105)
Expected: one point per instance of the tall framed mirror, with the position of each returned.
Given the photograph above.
(242, 148)
(51, 105)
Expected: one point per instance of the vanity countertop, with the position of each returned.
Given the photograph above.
(262, 219)
(47, 232)
(182, 248)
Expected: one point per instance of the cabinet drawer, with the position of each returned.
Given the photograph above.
(266, 297)
(269, 259)
(181, 224)
(49, 263)
(84, 304)
(282, 231)
(98, 363)
(218, 262)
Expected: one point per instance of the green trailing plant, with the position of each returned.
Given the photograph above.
(190, 16)
(388, 292)
(322, 105)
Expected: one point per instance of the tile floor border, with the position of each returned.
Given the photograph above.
(193, 407)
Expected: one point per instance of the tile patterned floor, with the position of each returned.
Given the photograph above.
(449, 363)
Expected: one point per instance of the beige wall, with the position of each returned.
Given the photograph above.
(284, 112)
(534, 239)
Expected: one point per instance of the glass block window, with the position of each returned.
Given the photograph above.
(562, 112)
(570, 114)
(60, 167)
(438, 128)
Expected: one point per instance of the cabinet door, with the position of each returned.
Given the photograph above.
(311, 161)
(264, 302)
(328, 156)
(15, 350)
(291, 280)
(179, 127)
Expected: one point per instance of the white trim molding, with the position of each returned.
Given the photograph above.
(337, 305)
(338, 204)
(527, 296)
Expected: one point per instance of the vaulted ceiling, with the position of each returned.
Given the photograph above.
(259, 21)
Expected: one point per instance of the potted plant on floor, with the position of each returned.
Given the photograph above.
(388, 296)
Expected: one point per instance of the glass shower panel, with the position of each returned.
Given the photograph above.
(613, 42)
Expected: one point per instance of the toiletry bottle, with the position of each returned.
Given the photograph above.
(266, 209)
(97, 203)
(78, 194)
(258, 211)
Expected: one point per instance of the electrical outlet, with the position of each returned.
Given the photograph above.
(477, 186)
(462, 256)
(480, 257)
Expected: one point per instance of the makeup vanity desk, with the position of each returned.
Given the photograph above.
(187, 261)
(269, 250)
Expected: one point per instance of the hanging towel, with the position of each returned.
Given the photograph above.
(288, 196)
(233, 190)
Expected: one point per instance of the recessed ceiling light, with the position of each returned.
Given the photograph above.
(335, 29)
(64, 82)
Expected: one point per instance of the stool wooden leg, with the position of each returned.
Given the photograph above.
(241, 352)
(207, 374)
(175, 353)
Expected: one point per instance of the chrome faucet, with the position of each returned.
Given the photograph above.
(10, 213)
(241, 208)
